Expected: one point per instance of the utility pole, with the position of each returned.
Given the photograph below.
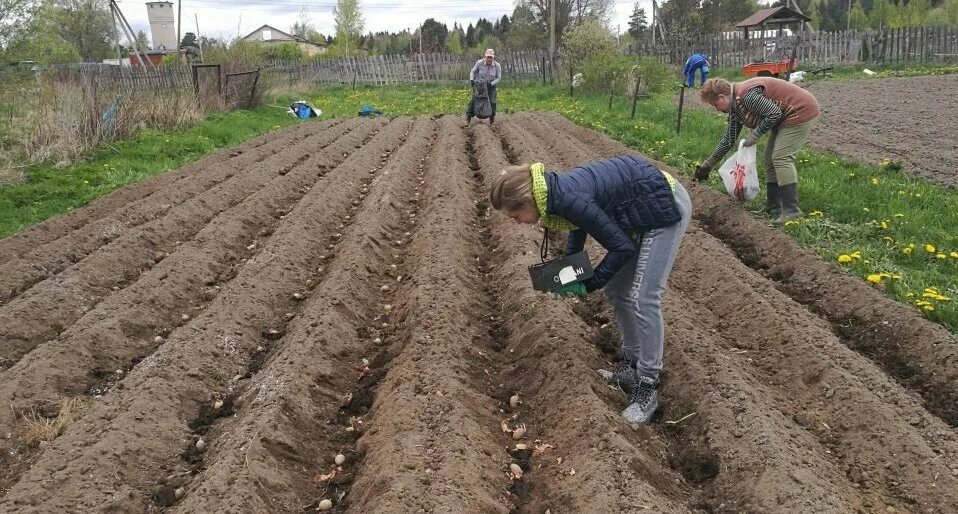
(420, 38)
(179, 25)
(116, 36)
(655, 7)
(198, 40)
(552, 31)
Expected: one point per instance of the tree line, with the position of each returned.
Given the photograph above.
(64, 31)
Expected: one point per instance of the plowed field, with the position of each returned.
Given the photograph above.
(341, 288)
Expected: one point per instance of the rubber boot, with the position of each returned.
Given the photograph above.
(789, 197)
(492, 119)
(468, 119)
(773, 203)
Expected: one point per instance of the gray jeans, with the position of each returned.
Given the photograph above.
(636, 291)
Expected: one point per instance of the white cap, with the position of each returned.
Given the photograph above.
(490, 52)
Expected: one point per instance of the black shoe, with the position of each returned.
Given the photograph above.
(468, 119)
(790, 210)
(492, 120)
(643, 401)
(773, 202)
(624, 377)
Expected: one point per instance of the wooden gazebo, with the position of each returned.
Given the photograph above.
(774, 18)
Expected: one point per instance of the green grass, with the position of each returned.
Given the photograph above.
(871, 209)
(49, 190)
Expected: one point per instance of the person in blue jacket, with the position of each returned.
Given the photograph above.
(639, 214)
(696, 62)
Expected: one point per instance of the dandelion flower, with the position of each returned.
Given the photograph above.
(940, 256)
(866, 209)
(953, 255)
(844, 259)
(855, 255)
(888, 240)
(909, 295)
(930, 248)
(884, 224)
(874, 279)
(874, 181)
(928, 308)
(899, 215)
(816, 214)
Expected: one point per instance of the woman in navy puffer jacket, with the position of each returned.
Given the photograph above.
(639, 214)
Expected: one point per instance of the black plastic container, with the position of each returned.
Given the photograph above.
(551, 275)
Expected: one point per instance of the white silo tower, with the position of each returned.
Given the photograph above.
(162, 25)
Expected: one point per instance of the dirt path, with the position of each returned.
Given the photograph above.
(353, 295)
(908, 120)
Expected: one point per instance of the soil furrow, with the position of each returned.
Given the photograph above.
(114, 456)
(103, 208)
(345, 325)
(595, 143)
(918, 353)
(887, 441)
(738, 485)
(594, 465)
(763, 497)
(54, 304)
(288, 426)
(46, 261)
(433, 441)
(131, 324)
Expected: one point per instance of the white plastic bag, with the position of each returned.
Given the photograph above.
(740, 173)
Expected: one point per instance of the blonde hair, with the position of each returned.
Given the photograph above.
(512, 189)
(713, 88)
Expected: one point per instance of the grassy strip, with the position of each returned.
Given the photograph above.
(895, 231)
(50, 190)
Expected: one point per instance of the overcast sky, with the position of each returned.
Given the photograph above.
(226, 18)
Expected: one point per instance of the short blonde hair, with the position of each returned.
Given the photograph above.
(713, 88)
(511, 190)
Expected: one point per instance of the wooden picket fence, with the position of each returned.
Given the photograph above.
(120, 78)
(403, 69)
(889, 47)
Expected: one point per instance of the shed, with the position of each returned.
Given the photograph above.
(775, 17)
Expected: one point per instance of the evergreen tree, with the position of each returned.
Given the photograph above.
(638, 22)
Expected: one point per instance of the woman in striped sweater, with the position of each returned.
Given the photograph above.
(771, 106)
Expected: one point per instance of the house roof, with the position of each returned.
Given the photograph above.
(274, 29)
(287, 34)
(773, 16)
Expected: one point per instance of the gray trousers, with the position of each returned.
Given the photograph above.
(636, 291)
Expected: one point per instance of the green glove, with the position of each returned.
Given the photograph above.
(573, 289)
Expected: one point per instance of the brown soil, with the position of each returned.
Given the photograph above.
(902, 119)
(345, 290)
